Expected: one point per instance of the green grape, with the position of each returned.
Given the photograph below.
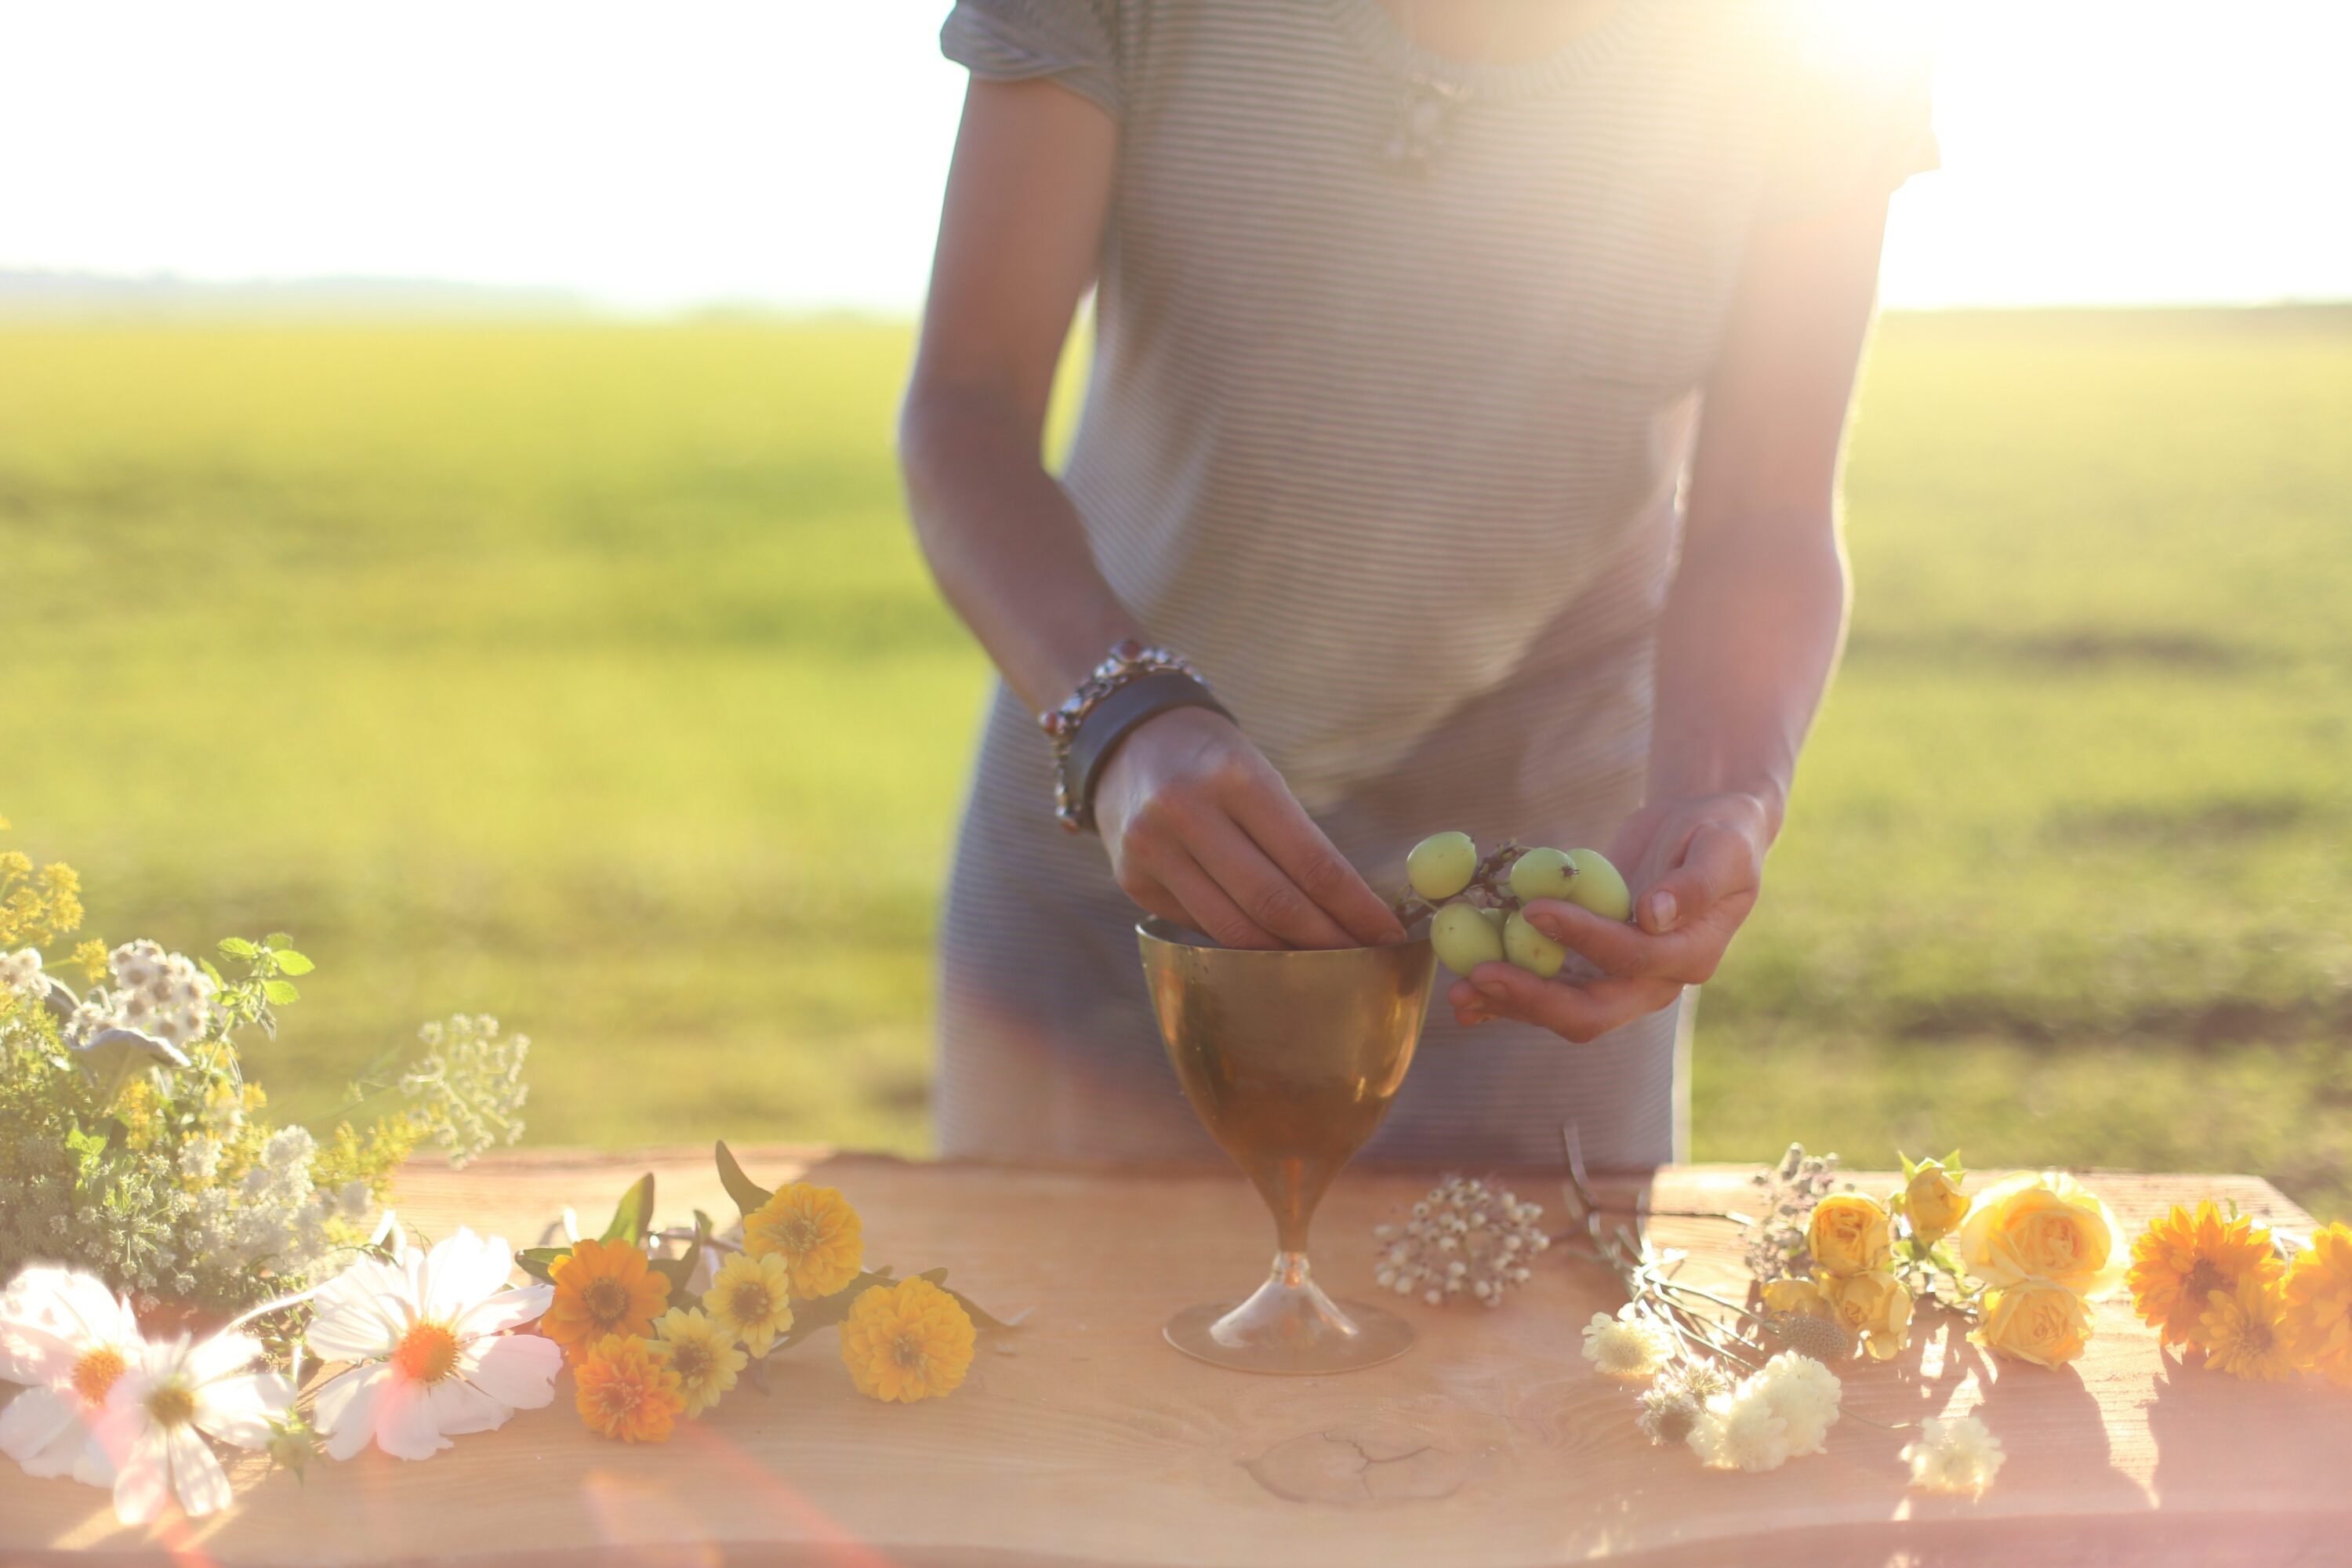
(1543, 874)
(1530, 948)
(1493, 918)
(1464, 938)
(1442, 865)
(1598, 887)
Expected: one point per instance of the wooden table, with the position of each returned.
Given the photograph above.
(1082, 1438)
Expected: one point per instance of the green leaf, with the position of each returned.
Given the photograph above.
(748, 1193)
(292, 963)
(808, 1317)
(278, 939)
(980, 1317)
(634, 1216)
(238, 947)
(539, 1262)
(281, 992)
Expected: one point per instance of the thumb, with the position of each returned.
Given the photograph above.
(1719, 863)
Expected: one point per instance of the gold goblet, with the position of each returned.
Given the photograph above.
(1290, 1061)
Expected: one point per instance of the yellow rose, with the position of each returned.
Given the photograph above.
(1932, 1201)
(1876, 1308)
(1848, 1234)
(2037, 1322)
(2047, 1227)
(1803, 1296)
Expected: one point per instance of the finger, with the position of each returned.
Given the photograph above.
(1258, 888)
(1469, 1006)
(1579, 1011)
(1291, 839)
(1206, 907)
(1719, 863)
(1613, 945)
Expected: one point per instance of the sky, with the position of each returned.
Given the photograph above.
(790, 152)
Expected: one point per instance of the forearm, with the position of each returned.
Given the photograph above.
(1753, 630)
(1006, 542)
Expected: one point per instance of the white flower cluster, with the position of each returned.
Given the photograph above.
(1778, 1414)
(469, 1084)
(1953, 1454)
(271, 1213)
(20, 972)
(1633, 1344)
(1463, 1239)
(161, 994)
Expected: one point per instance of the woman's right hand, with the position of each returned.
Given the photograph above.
(1202, 831)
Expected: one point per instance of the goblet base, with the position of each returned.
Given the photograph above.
(1290, 1329)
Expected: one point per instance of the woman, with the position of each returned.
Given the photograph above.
(1468, 398)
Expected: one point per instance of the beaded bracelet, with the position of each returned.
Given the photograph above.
(1129, 661)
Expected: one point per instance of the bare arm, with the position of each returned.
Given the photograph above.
(1753, 630)
(1199, 826)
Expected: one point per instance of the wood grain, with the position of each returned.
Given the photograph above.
(1082, 1438)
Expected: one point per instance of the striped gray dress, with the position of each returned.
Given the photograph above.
(1391, 449)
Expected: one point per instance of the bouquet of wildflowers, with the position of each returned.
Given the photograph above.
(134, 1148)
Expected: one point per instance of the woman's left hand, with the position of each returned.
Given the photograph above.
(1695, 865)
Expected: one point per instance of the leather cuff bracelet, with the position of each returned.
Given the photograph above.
(1116, 717)
(1133, 684)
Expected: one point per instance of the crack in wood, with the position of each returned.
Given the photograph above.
(1352, 1468)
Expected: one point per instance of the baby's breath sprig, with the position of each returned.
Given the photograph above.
(1463, 1239)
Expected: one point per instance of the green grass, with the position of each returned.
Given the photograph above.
(588, 676)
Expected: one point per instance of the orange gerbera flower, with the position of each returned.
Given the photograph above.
(2182, 1257)
(628, 1390)
(2240, 1332)
(602, 1287)
(2316, 1321)
(814, 1231)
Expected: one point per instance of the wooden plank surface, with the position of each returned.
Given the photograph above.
(1082, 1438)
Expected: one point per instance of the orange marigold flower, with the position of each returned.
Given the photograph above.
(2183, 1256)
(2240, 1332)
(2316, 1319)
(907, 1341)
(627, 1389)
(814, 1231)
(602, 1287)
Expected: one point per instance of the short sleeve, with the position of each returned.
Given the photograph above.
(1856, 113)
(1074, 42)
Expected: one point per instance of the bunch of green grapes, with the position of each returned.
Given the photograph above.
(1473, 902)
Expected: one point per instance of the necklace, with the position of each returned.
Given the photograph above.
(1428, 104)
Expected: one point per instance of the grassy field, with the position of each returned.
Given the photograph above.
(587, 676)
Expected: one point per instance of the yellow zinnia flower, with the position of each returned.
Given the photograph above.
(2186, 1255)
(625, 1390)
(602, 1287)
(907, 1341)
(702, 1352)
(751, 1299)
(2317, 1320)
(2240, 1332)
(814, 1231)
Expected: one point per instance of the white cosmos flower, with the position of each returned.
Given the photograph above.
(166, 1403)
(432, 1358)
(66, 1337)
